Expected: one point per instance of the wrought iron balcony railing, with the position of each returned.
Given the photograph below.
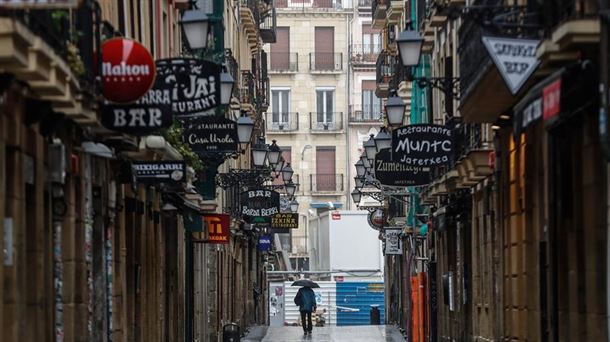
(282, 121)
(558, 11)
(309, 4)
(247, 89)
(284, 62)
(385, 67)
(474, 59)
(321, 61)
(365, 3)
(366, 114)
(253, 6)
(326, 182)
(365, 53)
(268, 26)
(325, 121)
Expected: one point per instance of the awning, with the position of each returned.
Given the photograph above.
(560, 95)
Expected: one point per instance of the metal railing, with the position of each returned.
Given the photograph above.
(309, 4)
(559, 11)
(253, 6)
(282, 122)
(326, 121)
(247, 87)
(284, 61)
(365, 53)
(268, 27)
(376, 3)
(325, 61)
(366, 114)
(233, 69)
(326, 182)
(385, 67)
(365, 3)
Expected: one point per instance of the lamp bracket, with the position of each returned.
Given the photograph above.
(243, 177)
(448, 85)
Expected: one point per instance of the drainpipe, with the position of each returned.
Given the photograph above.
(604, 6)
(348, 92)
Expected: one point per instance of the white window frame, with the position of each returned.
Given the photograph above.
(280, 121)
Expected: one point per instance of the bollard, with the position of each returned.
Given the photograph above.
(375, 315)
(230, 333)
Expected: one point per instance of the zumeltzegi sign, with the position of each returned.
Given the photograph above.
(515, 59)
(422, 145)
(210, 134)
(195, 85)
(259, 203)
(285, 220)
(160, 171)
(391, 173)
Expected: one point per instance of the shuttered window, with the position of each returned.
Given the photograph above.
(326, 178)
(371, 39)
(280, 105)
(280, 50)
(325, 106)
(371, 104)
(324, 48)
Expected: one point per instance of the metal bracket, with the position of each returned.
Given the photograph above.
(448, 85)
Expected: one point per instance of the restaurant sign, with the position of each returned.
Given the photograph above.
(195, 85)
(259, 203)
(210, 134)
(160, 171)
(285, 220)
(422, 145)
(218, 226)
(515, 59)
(392, 173)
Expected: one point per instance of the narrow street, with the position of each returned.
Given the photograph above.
(368, 333)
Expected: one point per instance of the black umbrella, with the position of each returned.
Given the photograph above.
(306, 283)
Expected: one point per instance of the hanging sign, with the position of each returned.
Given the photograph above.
(285, 220)
(515, 59)
(219, 228)
(376, 219)
(393, 241)
(391, 173)
(422, 145)
(264, 243)
(160, 171)
(210, 134)
(128, 70)
(195, 85)
(259, 203)
(551, 99)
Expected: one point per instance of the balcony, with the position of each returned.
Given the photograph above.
(250, 19)
(326, 183)
(365, 5)
(287, 122)
(264, 94)
(325, 122)
(325, 62)
(365, 54)
(284, 63)
(394, 11)
(379, 9)
(268, 26)
(233, 69)
(366, 115)
(474, 143)
(303, 5)
(386, 68)
(247, 92)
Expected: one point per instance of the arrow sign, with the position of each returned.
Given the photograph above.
(515, 59)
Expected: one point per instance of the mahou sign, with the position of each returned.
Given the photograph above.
(128, 70)
(422, 145)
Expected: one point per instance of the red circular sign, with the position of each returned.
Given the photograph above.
(128, 70)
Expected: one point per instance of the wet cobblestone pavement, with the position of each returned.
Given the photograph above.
(335, 334)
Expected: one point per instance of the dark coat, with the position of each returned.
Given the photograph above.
(305, 299)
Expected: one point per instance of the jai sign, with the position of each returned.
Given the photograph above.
(128, 70)
(515, 59)
(422, 145)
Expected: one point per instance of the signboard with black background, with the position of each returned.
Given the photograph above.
(285, 220)
(392, 173)
(195, 84)
(422, 145)
(210, 134)
(257, 203)
(160, 171)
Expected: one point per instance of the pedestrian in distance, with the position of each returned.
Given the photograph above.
(306, 301)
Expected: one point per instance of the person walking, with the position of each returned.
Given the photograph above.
(306, 300)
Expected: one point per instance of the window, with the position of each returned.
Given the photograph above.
(280, 50)
(325, 179)
(371, 39)
(371, 104)
(325, 106)
(324, 58)
(280, 105)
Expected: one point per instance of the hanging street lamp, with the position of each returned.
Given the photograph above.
(360, 169)
(359, 182)
(410, 45)
(259, 153)
(356, 196)
(294, 206)
(370, 148)
(395, 110)
(227, 84)
(383, 140)
(277, 169)
(245, 126)
(275, 152)
(291, 188)
(196, 25)
(287, 173)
